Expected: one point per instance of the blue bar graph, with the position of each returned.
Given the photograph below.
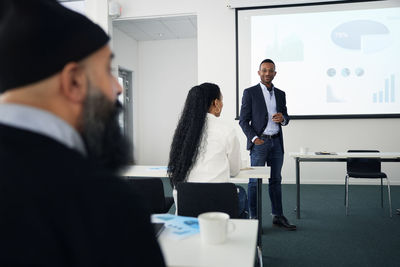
(386, 90)
(387, 94)
(392, 99)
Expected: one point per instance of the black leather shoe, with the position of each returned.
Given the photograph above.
(281, 221)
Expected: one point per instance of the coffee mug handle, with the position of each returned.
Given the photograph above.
(231, 227)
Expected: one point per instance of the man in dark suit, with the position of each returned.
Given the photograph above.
(61, 203)
(262, 115)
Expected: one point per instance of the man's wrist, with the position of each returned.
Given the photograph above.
(254, 138)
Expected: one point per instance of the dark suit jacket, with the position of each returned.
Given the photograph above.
(56, 209)
(254, 114)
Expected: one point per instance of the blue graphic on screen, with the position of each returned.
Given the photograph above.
(387, 94)
(350, 35)
(330, 96)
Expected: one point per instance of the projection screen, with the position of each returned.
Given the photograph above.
(338, 60)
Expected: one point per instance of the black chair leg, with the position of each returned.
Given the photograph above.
(259, 256)
(347, 195)
(390, 199)
(381, 193)
(345, 189)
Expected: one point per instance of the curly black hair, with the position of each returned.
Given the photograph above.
(188, 134)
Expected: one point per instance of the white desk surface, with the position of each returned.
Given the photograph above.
(344, 155)
(160, 171)
(239, 249)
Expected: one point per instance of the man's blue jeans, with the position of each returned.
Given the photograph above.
(270, 152)
(243, 203)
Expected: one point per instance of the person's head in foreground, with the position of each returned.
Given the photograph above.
(61, 202)
(59, 61)
(202, 99)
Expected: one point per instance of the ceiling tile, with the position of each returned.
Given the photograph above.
(181, 28)
(164, 28)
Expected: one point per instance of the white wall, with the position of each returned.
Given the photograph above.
(163, 72)
(126, 56)
(216, 63)
(167, 70)
(97, 10)
(125, 50)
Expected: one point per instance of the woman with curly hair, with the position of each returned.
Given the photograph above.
(205, 149)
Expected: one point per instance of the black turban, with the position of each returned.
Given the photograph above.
(39, 37)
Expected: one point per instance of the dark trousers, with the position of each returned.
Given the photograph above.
(270, 152)
(243, 203)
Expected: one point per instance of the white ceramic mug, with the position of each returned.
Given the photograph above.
(214, 227)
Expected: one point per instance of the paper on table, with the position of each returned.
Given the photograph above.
(163, 168)
(247, 169)
(177, 227)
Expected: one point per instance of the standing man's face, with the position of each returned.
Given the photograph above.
(267, 73)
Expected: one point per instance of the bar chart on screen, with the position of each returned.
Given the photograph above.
(387, 94)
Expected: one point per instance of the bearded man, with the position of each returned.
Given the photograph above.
(61, 203)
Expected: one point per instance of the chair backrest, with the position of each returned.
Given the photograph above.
(371, 165)
(196, 198)
(151, 191)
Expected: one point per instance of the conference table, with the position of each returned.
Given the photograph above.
(260, 173)
(238, 250)
(334, 157)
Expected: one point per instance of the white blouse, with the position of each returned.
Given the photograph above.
(219, 155)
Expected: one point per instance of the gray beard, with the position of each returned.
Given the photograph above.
(106, 146)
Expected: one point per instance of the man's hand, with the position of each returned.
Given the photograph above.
(277, 117)
(258, 141)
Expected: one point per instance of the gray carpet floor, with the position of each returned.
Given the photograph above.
(326, 236)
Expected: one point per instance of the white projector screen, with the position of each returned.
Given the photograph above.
(332, 60)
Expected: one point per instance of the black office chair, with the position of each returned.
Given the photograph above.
(151, 191)
(196, 198)
(368, 168)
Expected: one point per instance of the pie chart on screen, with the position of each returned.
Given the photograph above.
(367, 36)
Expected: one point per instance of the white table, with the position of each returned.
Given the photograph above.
(238, 250)
(338, 156)
(261, 173)
(161, 171)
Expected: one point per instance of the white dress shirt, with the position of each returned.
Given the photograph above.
(269, 96)
(41, 122)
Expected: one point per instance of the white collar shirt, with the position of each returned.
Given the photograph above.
(41, 122)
